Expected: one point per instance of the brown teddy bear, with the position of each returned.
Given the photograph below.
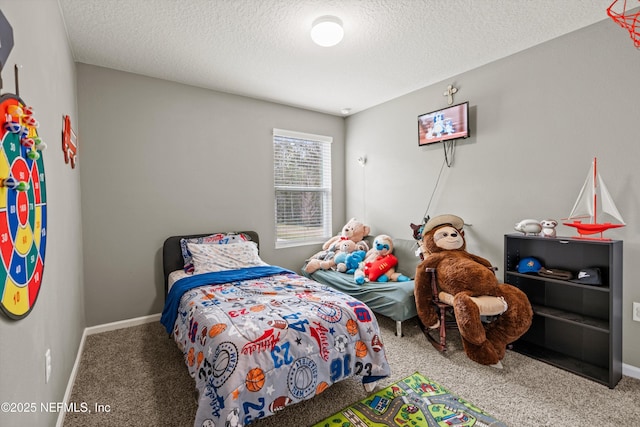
(465, 275)
(353, 230)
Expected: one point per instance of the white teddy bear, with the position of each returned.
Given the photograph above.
(549, 227)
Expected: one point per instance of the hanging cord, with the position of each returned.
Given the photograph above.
(364, 191)
(435, 188)
(449, 150)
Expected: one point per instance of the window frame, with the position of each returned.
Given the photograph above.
(325, 163)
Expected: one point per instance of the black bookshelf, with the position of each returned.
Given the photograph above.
(575, 327)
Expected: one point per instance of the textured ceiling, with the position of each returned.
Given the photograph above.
(262, 48)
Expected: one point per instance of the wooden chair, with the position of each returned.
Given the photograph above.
(490, 308)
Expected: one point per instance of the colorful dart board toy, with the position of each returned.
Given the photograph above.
(23, 208)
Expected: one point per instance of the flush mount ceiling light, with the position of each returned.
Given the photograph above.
(327, 31)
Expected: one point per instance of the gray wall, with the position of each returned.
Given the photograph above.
(48, 83)
(158, 159)
(161, 159)
(537, 120)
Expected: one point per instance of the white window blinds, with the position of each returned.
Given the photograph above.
(302, 183)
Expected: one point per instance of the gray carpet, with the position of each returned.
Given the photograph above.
(140, 374)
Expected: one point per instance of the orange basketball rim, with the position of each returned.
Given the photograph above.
(627, 20)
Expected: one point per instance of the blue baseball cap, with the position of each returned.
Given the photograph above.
(529, 265)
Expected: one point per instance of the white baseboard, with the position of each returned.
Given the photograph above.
(72, 378)
(123, 324)
(96, 330)
(631, 371)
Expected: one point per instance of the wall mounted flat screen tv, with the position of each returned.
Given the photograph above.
(444, 125)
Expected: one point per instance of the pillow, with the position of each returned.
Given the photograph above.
(218, 238)
(213, 258)
(405, 251)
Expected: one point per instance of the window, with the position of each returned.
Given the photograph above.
(302, 182)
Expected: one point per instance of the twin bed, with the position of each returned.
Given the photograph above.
(257, 337)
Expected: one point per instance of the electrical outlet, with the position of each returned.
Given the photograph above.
(47, 365)
(636, 311)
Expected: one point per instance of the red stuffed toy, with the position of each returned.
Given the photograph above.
(379, 264)
(373, 270)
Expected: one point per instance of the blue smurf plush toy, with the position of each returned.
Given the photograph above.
(379, 263)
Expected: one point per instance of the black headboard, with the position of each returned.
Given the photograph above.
(172, 254)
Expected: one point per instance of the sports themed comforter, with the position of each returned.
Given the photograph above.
(261, 338)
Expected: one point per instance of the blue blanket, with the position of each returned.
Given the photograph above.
(170, 311)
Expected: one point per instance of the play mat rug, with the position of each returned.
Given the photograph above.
(415, 401)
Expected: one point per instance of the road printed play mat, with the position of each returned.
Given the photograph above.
(415, 401)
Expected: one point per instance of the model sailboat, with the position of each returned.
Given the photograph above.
(594, 199)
